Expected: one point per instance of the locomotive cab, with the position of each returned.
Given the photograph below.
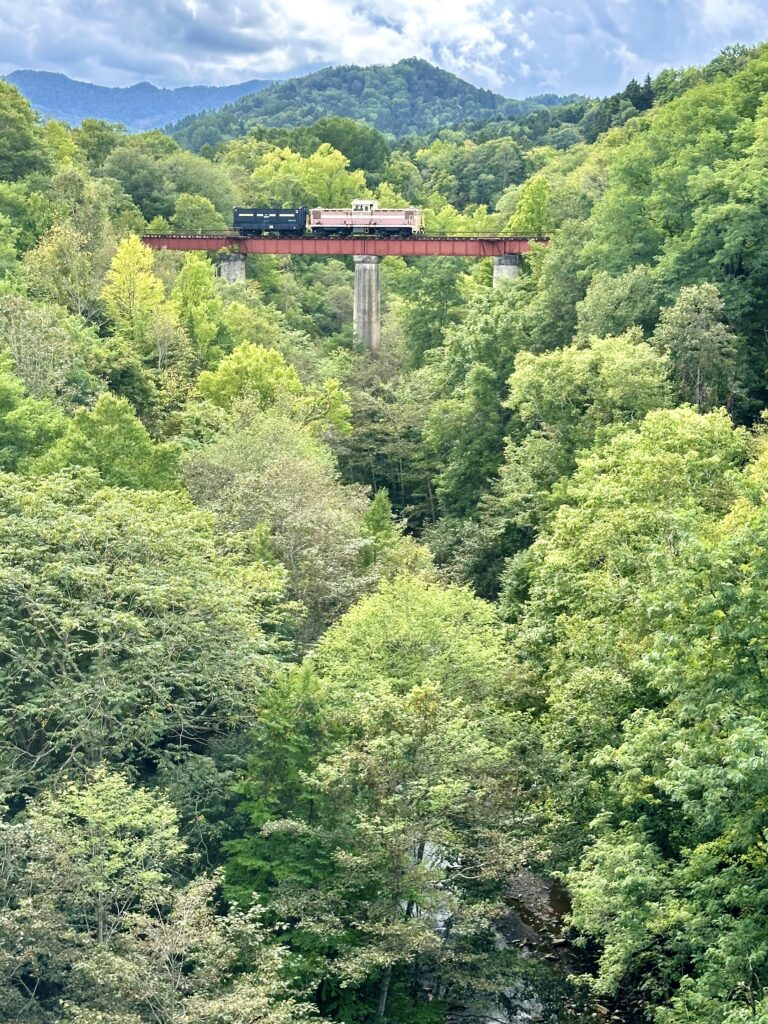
(364, 216)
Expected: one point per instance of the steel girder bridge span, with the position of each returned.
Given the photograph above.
(367, 252)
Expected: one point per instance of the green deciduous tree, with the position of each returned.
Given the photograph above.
(60, 143)
(143, 178)
(28, 426)
(364, 147)
(201, 310)
(96, 139)
(48, 349)
(591, 577)
(372, 790)
(97, 928)
(9, 234)
(266, 468)
(22, 148)
(285, 178)
(703, 351)
(132, 293)
(614, 304)
(250, 371)
(127, 636)
(672, 884)
(112, 439)
(567, 402)
(532, 215)
(62, 269)
(195, 214)
(466, 424)
(263, 376)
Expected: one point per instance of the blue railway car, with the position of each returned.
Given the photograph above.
(257, 221)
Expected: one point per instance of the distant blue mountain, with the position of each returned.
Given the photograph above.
(139, 107)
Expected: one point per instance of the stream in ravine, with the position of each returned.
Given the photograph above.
(548, 990)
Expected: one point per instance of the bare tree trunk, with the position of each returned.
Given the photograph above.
(419, 858)
(383, 995)
(386, 978)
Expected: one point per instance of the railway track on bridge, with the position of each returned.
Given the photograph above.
(361, 245)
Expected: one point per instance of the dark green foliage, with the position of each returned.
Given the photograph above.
(365, 148)
(127, 637)
(21, 144)
(411, 96)
(293, 736)
(97, 139)
(143, 178)
(466, 172)
(429, 289)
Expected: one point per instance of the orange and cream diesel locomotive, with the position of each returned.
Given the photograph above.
(363, 218)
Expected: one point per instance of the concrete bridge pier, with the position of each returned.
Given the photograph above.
(505, 268)
(367, 315)
(231, 267)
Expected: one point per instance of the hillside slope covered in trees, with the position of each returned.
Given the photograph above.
(308, 658)
(410, 96)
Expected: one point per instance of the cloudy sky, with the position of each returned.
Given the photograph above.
(518, 47)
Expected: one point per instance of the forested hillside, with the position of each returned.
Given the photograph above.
(410, 96)
(312, 663)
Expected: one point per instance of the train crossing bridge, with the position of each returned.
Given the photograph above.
(367, 252)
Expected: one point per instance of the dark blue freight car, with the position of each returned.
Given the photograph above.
(256, 221)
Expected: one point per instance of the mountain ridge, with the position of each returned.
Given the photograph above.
(139, 107)
(411, 95)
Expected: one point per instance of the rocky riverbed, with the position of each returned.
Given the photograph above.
(549, 988)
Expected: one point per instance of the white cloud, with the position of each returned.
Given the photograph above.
(198, 40)
(719, 16)
(588, 46)
(632, 66)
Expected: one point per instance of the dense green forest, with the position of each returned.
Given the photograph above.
(310, 661)
(410, 96)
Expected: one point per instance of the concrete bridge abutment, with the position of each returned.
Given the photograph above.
(231, 267)
(505, 268)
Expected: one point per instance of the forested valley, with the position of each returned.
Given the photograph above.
(311, 662)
